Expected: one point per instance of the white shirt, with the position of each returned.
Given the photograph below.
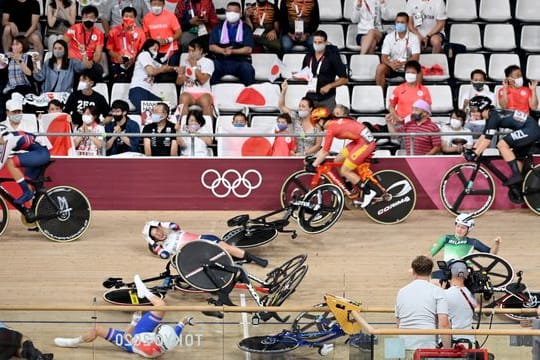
(191, 84)
(473, 92)
(460, 313)
(87, 147)
(368, 16)
(140, 77)
(429, 11)
(448, 138)
(400, 48)
(195, 146)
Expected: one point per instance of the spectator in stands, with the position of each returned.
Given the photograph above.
(55, 106)
(88, 145)
(60, 17)
(20, 69)
(421, 122)
(21, 17)
(112, 12)
(513, 95)
(283, 145)
(14, 113)
(368, 16)
(146, 69)
(85, 37)
(341, 111)
(299, 19)
(86, 96)
(58, 73)
(263, 18)
(399, 46)
(306, 144)
(163, 26)
(427, 21)
(197, 19)
(160, 146)
(404, 96)
(240, 120)
(232, 42)
(193, 145)
(121, 124)
(194, 75)
(478, 88)
(455, 144)
(123, 44)
(14, 344)
(325, 64)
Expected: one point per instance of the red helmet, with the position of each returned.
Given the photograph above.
(319, 113)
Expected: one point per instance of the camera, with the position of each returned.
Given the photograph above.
(477, 282)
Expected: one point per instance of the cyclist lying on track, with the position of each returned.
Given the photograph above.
(525, 132)
(166, 239)
(355, 156)
(146, 335)
(13, 343)
(35, 156)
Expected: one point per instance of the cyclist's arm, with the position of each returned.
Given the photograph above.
(321, 155)
(438, 246)
(479, 246)
(481, 144)
(495, 248)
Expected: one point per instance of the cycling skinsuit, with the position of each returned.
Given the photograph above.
(176, 239)
(35, 156)
(457, 248)
(525, 128)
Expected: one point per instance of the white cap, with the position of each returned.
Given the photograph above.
(13, 105)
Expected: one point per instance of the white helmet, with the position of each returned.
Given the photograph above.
(167, 338)
(465, 220)
(146, 231)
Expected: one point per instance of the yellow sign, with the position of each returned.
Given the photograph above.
(341, 308)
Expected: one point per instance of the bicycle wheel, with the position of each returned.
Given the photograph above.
(499, 270)
(127, 296)
(400, 202)
(321, 209)
(519, 301)
(297, 185)
(250, 236)
(464, 191)
(4, 218)
(313, 322)
(531, 189)
(287, 287)
(63, 213)
(271, 344)
(279, 274)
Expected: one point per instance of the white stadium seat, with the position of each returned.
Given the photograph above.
(295, 92)
(367, 98)
(120, 91)
(499, 37)
(262, 63)
(495, 10)
(167, 92)
(342, 96)
(533, 67)
(441, 97)
(293, 62)
(330, 10)
(527, 10)
(466, 34)
(101, 88)
(429, 60)
(461, 10)
(497, 64)
(363, 67)
(350, 38)
(467, 62)
(530, 38)
(335, 34)
(225, 95)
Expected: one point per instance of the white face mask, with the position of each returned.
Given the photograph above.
(83, 85)
(17, 118)
(319, 47)
(156, 10)
(232, 16)
(153, 53)
(303, 113)
(455, 123)
(87, 119)
(518, 82)
(410, 77)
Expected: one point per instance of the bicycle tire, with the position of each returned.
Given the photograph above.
(287, 287)
(401, 204)
(498, 269)
(297, 185)
(310, 322)
(270, 344)
(454, 188)
(511, 301)
(282, 272)
(326, 206)
(531, 189)
(127, 296)
(71, 221)
(4, 216)
(250, 236)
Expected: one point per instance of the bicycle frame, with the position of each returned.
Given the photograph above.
(321, 337)
(327, 169)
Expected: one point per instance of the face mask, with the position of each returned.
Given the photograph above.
(518, 82)
(87, 119)
(401, 27)
(17, 118)
(58, 53)
(153, 53)
(281, 127)
(128, 22)
(410, 77)
(303, 113)
(239, 125)
(416, 117)
(232, 16)
(88, 23)
(455, 123)
(478, 86)
(194, 127)
(319, 47)
(156, 10)
(156, 118)
(118, 118)
(83, 85)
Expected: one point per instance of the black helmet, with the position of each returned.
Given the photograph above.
(481, 103)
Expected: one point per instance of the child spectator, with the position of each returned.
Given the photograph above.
(283, 145)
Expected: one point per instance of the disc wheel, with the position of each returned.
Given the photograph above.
(321, 209)
(498, 269)
(531, 189)
(463, 191)
(272, 344)
(127, 296)
(250, 236)
(4, 215)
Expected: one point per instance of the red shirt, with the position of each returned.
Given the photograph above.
(162, 26)
(125, 43)
(283, 146)
(518, 98)
(344, 128)
(90, 39)
(422, 144)
(404, 96)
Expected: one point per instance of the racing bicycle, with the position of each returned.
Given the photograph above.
(394, 206)
(316, 212)
(469, 187)
(61, 213)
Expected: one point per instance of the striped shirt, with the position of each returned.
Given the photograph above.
(422, 144)
(307, 10)
(267, 13)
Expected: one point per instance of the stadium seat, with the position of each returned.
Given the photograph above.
(29, 123)
(441, 96)
(533, 67)
(347, 9)
(335, 34)
(393, 7)
(495, 10)
(262, 63)
(293, 62)
(342, 96)
(461, 10)
(498, 62)
(429, 60)
(381, 153)
(167, 92)
(295, 92)
(263, 124)
(271, 93)
(367, 99)
(499, 37)
(496, 92)
(330, 10)
(527, 11)
(466, 34)
(389, 92)
(137, 119)
(463, 93)
(363, 67)
(350, 40)
(120, 91)
(225, 95)
(220, 6)
(530, 38)
(101, 88)
(465, 63)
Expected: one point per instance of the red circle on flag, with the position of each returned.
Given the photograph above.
(256, 146)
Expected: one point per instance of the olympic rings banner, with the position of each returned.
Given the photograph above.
(223, 184)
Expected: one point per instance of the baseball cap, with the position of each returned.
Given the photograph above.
(13, 105)
(459, 269)
(422, 104)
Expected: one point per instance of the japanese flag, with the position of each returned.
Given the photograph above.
(259, 95)
(304, 74)
(58, 123)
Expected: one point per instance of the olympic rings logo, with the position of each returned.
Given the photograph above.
(231, 181)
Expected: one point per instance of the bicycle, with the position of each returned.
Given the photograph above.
(469, 187)
(316, 212)
(203, 266)
(394, 206)
(61, 213)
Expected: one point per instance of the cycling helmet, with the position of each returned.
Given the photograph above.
(319, 113)
(146, 231)
(465, 220)
(167, 339)
(481, 103)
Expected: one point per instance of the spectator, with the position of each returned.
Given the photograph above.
(88, 145)
(124, 43)
(160, 146)
(478, 88)
(15, 115)
(113, 12)
(341, 111)
(455, 144)
(404, 96)
(422, 305)
(263, 19)
(421, 122)
(283, 145)
(84, 37)
(194, 145)
(21, 17)
(15, 344)
(513, 95)
(298, 21)
(20, 69)
(197, 19)
(240, 120)
(368, 16)
(58, 73)
(86, 96)
(325, 65)
(121, 124)
(399, 46)
(305, 145)
(194, 75)
(232, 42)
(55, 106)
(427, 19)
(145, 70)
(60, 17)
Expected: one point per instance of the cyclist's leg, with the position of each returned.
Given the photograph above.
(516, 139)
(235, 251)
(31, 161)
(144, 292)
(356, 168)
(112, 335)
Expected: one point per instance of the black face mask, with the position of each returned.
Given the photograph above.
(118, 118)
(478, 86)
(88, 24)
(416, 117)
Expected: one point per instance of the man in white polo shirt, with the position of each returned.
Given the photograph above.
(427, 21)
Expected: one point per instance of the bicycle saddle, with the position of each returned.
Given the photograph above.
(239, 220)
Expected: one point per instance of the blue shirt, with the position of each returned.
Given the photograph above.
(215, 37)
